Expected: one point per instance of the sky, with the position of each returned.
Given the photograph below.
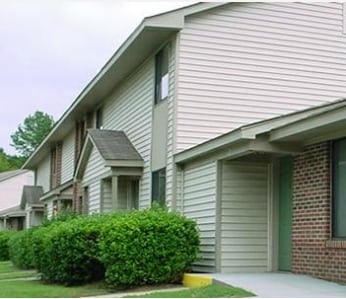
(50, 50)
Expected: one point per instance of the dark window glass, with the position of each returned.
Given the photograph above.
(339, 188)
(161, 75)
(159, 186)
(99, 119)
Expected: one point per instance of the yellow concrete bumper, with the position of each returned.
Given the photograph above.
(196, 280)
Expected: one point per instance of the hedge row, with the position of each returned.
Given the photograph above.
(4, 238)
(128, 249)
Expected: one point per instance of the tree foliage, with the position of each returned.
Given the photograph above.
(8, 162)
(30, 134)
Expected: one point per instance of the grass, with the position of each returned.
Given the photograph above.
(211, 291)
(6, 267)
(37, 289)
(8, 271)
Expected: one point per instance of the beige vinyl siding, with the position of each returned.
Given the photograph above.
(43, 174)
(92, 179)
(67, 163)
(107, 204)
(129, 109)
(244, 217)
(199, 203)
(245, 62)
(170, 122)
(94, 202)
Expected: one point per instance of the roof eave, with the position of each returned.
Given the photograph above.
(148, 38)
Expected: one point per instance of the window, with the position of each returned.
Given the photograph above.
(161, 75)
(99, 119)
(339, 188)
(159, 186)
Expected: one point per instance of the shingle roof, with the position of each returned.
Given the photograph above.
(8, 174)
(114, 145)
(31, 195)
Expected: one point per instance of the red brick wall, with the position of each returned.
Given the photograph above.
(314, 253)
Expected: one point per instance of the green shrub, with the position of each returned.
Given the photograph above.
(66, 252)
(20, 249)
(4, 237)
(148, 247)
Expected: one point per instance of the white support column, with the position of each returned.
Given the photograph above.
(115, 200)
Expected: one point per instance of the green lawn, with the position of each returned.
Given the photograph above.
(8, 271)
(37, 289)
(212, 291)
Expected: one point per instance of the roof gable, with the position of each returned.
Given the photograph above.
(31, 195)
(115, 149)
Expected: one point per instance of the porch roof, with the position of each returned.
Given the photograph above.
(12, 212)
(31, 195)
(284, 134)
(114, 147)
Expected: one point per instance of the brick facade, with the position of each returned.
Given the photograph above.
(314, 252)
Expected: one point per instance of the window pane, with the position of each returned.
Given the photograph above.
(161, 75)
(339, 188)
(159, 186)
(164, 86)
(99, 119)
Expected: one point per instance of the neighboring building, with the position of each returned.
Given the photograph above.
(11, 185)
(29, 213)
(229, 113)
(11, 189)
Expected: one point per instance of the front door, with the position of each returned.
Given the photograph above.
(285, 214)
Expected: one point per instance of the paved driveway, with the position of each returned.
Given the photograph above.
(283, 285)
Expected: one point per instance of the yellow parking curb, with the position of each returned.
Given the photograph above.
(196, 280)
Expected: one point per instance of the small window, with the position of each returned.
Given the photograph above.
(159, 186)
(99, 119)
(161, 75)
(339, 188)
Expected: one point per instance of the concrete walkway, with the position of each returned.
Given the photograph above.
(283, 285)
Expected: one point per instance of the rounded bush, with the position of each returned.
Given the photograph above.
(148, 247)
(4, 250)
(67, 252)
(20, 249)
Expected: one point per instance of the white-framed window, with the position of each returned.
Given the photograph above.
(161, 75)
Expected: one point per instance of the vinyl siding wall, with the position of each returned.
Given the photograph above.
(43, 174)
(244, 217)
(92, 179)
(199, 203)
(244, 62)
(67, 163)
(107, 204)
(130, 109)
(170, 123)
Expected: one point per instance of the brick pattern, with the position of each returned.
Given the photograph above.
(55, 169)
(77, 204)
(314, 253)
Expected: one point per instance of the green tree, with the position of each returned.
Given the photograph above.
(30, 134)
(4, 163)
